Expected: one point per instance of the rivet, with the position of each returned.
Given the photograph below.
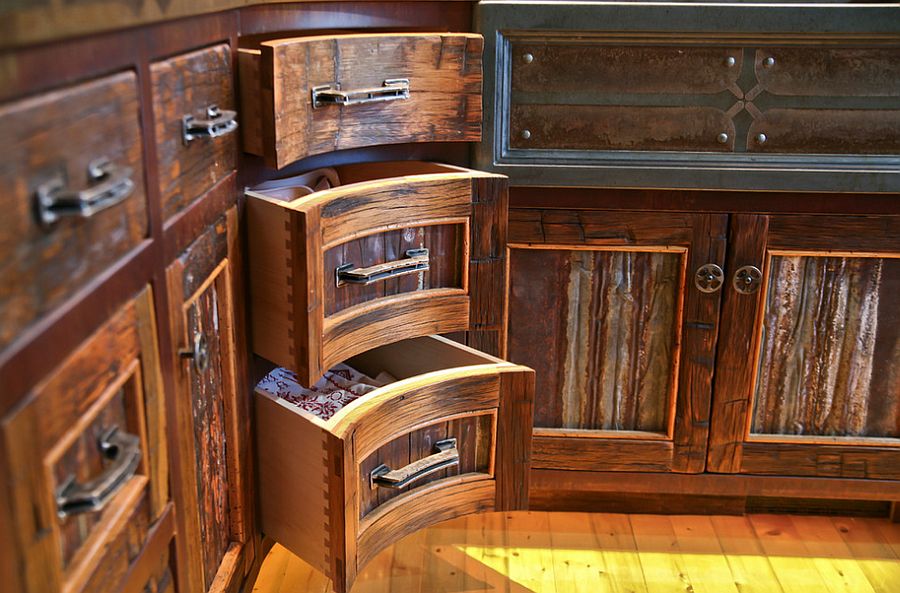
(769, 62)
(761, 138)
(526, 134)
(722, 138)
(730, 61)
(528, 58)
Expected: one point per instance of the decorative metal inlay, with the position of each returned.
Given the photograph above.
(709, 278)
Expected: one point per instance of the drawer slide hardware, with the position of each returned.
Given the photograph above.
(109, 185)
(124, 451)
(416, 261)
(218, 122)
(447, 455)
(393, 89)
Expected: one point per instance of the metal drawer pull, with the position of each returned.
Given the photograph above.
(393, 89)
(447, 456)
(120, 447)
(747, 279)
(198, 353)
(416, 261)
(709, 278)
(217, 123)
(108, 185)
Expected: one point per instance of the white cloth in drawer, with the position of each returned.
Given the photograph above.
(337, 388)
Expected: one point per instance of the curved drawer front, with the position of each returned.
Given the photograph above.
(73, 194)
(339, 271)
(311, 95)
(450, 436)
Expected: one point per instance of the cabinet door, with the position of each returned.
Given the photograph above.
(605, 307)
(212, 483)
(808, 370)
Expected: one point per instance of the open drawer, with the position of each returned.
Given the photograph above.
(308, 95)
(388, 251)
(341, 477)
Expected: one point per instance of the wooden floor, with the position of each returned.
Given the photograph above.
(592, 553)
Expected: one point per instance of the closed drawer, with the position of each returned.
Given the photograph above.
(86, 457)
(382, 256)
(72, 194)
(195, 121)
(308, 95)
(444, 432)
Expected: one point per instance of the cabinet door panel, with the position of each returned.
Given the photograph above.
(809, 381)
(603, 306)
(211, 483)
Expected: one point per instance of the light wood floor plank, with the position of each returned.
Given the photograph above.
(586, 553)
(872, 552)
(702, 555)
(750, 569)
(831, 556)
(787, 555)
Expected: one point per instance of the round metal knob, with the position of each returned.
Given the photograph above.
(730, 61)
(528, 58)
(526, 134)
(709, 278)
(769, 62)
(747, 279)
(722, 138)
(198, 354)
(761, 138)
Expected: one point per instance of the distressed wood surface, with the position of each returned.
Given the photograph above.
(187, 85)
(620, 127)
(444, 71)
(302, 321)
(446, 250)
(112, 378)
(603, 307)
(599, 327)
(474, 441)
(818, 374)
(823, 71)
(212, 455)
(59, 133)
(567, 67)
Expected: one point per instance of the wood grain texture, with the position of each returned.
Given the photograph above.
(607, 359)
(444, 71)
(187, 85)
(302, 321)
(212, 465)
(609, 69)
(58, 134)
(824, 320)
(589, 282)
(618, 127)
(111, 379)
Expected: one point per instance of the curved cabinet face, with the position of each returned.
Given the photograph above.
(452, 430)
(309, 95)
(390, 252)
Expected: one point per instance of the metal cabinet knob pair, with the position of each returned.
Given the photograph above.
(709, 279)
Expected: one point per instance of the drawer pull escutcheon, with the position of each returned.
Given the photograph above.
(124, 451)
(416, 261)
(217, 123)
(447, 456)
(393, 89)
(109, 185)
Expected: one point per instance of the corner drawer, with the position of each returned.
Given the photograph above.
(339, 482)
(73, 194)
(382, 257)
(195, 124)
(86, 457)
(309, 95)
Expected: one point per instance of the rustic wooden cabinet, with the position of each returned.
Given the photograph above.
(807, 381)
(606, 307)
